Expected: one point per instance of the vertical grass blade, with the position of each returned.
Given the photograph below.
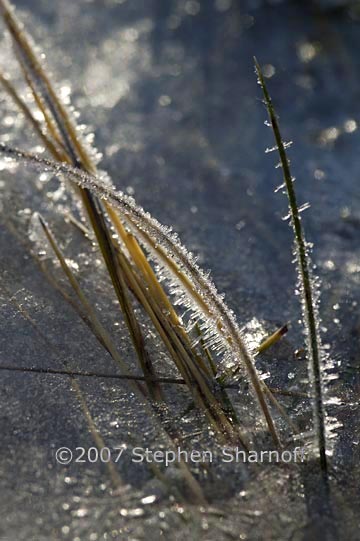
(309, 305)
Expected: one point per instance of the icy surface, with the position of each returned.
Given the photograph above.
(170, 91)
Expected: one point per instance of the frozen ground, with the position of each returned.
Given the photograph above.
(169, 90)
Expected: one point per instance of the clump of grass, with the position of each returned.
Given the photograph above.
(314, 350)
(128, 259)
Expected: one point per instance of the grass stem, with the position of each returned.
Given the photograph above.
(313, 340)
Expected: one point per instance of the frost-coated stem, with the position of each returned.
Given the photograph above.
(314, 350)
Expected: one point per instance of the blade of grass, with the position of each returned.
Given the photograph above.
(205, 349)
(265, 345)
(122, 377)
(116, 480)
(99, 329)
(195, 380)
(10, 89)
(43, 88)
(272, 339)
(152, 282)
(118, 280)
(314, 348)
